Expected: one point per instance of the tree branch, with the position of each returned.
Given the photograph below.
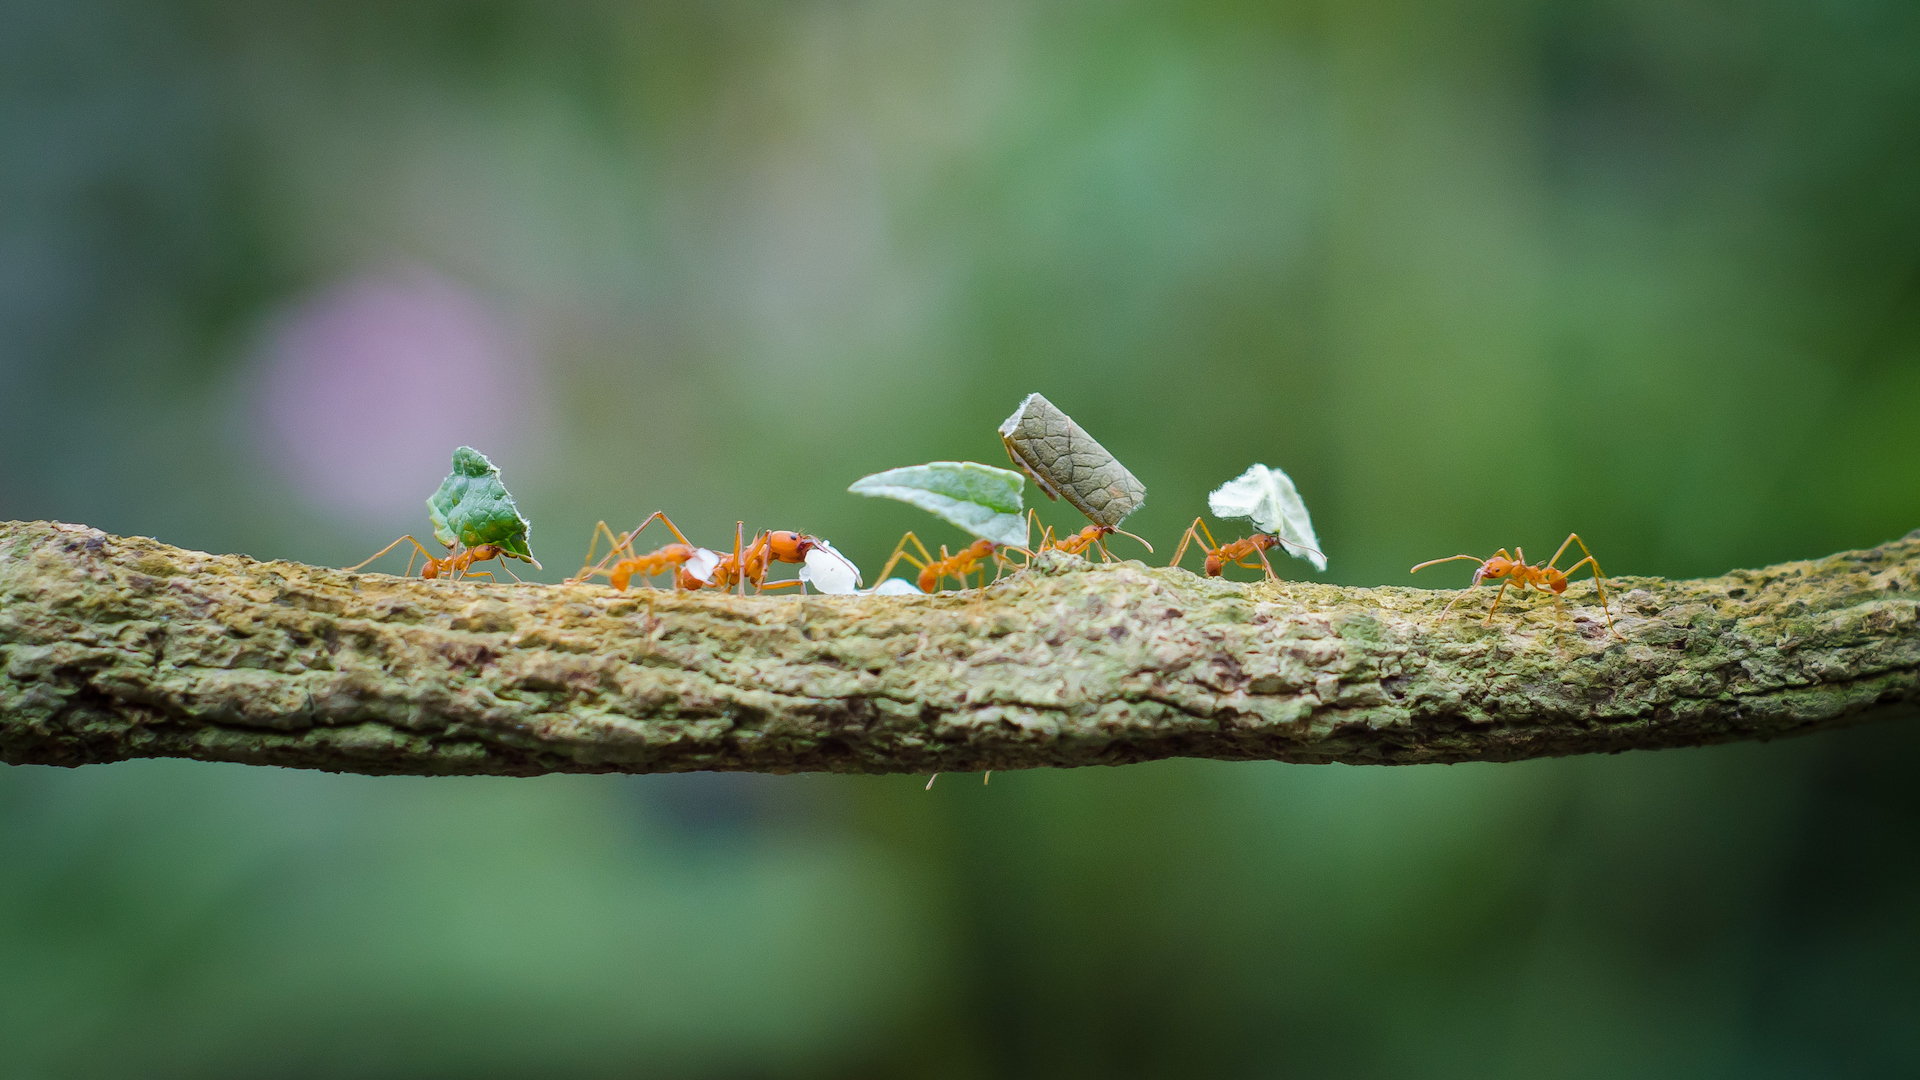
(123, 647)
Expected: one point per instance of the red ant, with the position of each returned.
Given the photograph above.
(958, 565)
(1219, 557)
(454, 564)
(749, 562)
(672, 557)
(1091, 536)
(759, 556)
(1543, 576)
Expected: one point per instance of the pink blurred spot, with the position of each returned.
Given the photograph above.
(367, 388)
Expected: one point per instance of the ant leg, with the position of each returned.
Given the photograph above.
(1271, 576)
(759, 557)
(661, 516)
(1496, 602)
(931, 779)
(1597, 586)
(739, 534)
(1574, 538)
(900, 552)
(1022, 547)
(664, 520)
(1212, 544)
(1191, 535)
(409, 539)
(1000, 563)
(614, 545)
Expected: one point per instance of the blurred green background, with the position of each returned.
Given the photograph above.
(1475, 272)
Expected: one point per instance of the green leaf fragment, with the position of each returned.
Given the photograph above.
(981, 499)
(472, 508)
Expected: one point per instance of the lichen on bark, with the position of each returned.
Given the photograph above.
(122, 647)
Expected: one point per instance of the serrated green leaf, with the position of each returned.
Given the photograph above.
(472, 508)
(981, 499)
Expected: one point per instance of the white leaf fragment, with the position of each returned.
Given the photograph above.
(828, 570)
(1269, 498)
(703, 563)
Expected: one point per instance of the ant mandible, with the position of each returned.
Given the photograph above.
(1544, 576)
(1219, 556)
(454, 564)
(958, 565)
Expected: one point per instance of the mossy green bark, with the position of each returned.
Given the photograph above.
(121, 647)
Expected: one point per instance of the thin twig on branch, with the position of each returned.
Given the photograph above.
(123, 647)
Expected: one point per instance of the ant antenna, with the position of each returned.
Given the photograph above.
(1285, 542)
(1450, 558)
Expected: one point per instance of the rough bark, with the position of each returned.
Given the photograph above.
(122, 647)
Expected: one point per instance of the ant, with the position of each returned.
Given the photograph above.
(821, 566)
(454, 564)
(958, 565)
(1091, 536)
(672, 557)
(1219, 557)
(1545, 576)
(697, 567)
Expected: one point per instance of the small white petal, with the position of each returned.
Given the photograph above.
(1270, 499)
(836, 554)
(703, 563)
(829, 571)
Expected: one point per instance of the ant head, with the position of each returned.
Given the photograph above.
(790, 547)
(980, 548)
(1213, 564)
(1497, 566)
